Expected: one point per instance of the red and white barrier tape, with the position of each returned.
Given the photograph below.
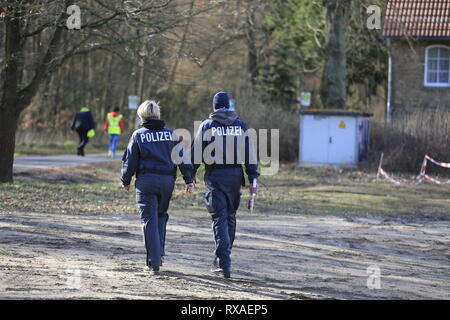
(441, 164)
(423, 175)
(435, 180)
(384, 174)
(423, 172)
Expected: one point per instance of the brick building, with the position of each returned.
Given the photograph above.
(418, 38)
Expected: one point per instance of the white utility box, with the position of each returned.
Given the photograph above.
(334, 138)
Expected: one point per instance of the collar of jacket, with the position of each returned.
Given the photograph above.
(154, 124)
(224, 116)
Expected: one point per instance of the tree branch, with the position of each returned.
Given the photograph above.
(26, 94)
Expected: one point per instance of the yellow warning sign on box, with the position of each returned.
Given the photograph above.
(342, 125)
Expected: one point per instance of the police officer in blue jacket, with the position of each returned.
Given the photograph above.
(222, 145)
(149, 156)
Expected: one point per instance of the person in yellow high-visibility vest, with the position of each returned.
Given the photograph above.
(114, 127)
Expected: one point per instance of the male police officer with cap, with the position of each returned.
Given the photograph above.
(149, 156)
(224, 173)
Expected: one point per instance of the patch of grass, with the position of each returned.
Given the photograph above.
(295, 190)
(87, 189)
(328, 191)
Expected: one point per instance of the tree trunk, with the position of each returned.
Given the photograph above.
(9, 109)
(253, 67)
(333, 87)
(14, 100)
(8, 123)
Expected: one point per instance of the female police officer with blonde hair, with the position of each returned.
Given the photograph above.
(148, 155)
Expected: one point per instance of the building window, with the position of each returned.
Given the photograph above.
(437, 66)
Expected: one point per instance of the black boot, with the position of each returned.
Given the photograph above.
(216, 267)
(154, 271)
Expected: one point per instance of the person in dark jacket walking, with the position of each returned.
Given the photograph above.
(82, 123)
(224, 173)
(149, 157)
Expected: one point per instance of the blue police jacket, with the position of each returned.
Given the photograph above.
(150, 151)
(222, 128)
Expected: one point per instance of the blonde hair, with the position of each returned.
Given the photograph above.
(149, 109)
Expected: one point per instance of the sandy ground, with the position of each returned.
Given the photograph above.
(276, 257)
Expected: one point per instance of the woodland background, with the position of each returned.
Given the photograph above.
(181, 52)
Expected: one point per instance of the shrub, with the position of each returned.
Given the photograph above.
(259, 115)
(408, 137)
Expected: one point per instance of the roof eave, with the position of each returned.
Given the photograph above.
(415, 38)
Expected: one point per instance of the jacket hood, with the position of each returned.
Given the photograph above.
(154, 124)
(224, 116)
(84, 109)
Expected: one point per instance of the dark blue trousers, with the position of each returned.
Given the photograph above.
(82, 134)
(153, 194)
(222, 198)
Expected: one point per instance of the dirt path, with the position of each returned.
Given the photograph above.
(276, 257)
(58, 161)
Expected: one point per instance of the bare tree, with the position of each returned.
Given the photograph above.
(37, 42)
